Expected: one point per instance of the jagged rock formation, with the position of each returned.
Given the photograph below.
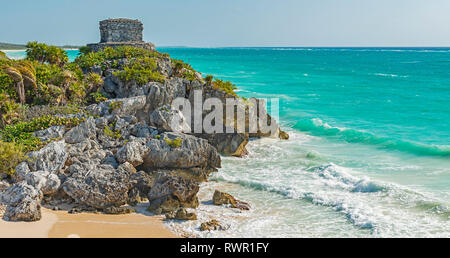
(221, 198)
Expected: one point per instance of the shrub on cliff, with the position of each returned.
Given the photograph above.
(46, 54)
(226, 86)
(10, 156)
(9, 110)
(141, 70)
(90, 59)
(21, 133)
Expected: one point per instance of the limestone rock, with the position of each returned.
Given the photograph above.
(21, 171)
(3, 185)
(144, 131)
(181, 214)
(193, 152)
(51, 158)
(229, 144)
(133, 152)
(44, 181)
(23, 202)
(82, 132)
(169, 120)
(50, 133)
(163, 94)
(118, 210)
(172, 192)
(221, 198)
(284, 135)
(211, 225)
(99, 186)
(142, 182)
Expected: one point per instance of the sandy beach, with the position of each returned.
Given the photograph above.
(61, 224)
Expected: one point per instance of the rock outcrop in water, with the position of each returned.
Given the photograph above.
(221, 198)
(124, 150)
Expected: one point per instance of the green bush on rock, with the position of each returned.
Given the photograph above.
(175, 143)
(10, 156)
(21, 133)
(46, 54)
(140, 70)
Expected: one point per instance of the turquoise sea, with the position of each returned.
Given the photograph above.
(369, 154)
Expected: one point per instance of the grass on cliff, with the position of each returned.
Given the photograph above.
(17, 139)
(10, 156)
(141, 70)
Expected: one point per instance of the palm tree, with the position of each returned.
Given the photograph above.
(23, 74)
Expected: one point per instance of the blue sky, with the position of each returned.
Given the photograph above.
(213, 23)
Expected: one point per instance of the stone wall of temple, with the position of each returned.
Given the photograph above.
(121, 30)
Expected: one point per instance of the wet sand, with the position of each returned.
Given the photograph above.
(60, 224)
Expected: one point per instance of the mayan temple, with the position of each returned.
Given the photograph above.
(119, 32)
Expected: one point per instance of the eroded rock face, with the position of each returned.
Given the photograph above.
(51, 158)
(160, 95)
(168, 120)
(181, 214)
(221, 198)
(171, 193)
(133, 152)
(3, 186)
(211, 225)
(82, 132)
(44, 181)
(99, 186)
(193, 152)
(21, 171)
(23, 202)
(50, 133)
(229, 144)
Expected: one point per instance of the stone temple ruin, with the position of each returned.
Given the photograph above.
(120, 32)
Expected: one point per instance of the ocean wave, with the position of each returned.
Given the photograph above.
(338, 176)
(339, 184)
(391, 75)
(319, 128)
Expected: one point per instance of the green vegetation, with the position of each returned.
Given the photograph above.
(21, 132)
(209, 79)
(112, 133)
(46, 54)
(114, 105)
(226, 86)
(9, 110)
(183, 70)
(10, 156)
(141, 70)
(97, 97)
(175, 143)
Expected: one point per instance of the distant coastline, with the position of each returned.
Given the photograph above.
(21, 47)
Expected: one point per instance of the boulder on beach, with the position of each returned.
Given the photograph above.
(170, 193)
(221, 198)
(211, 225)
